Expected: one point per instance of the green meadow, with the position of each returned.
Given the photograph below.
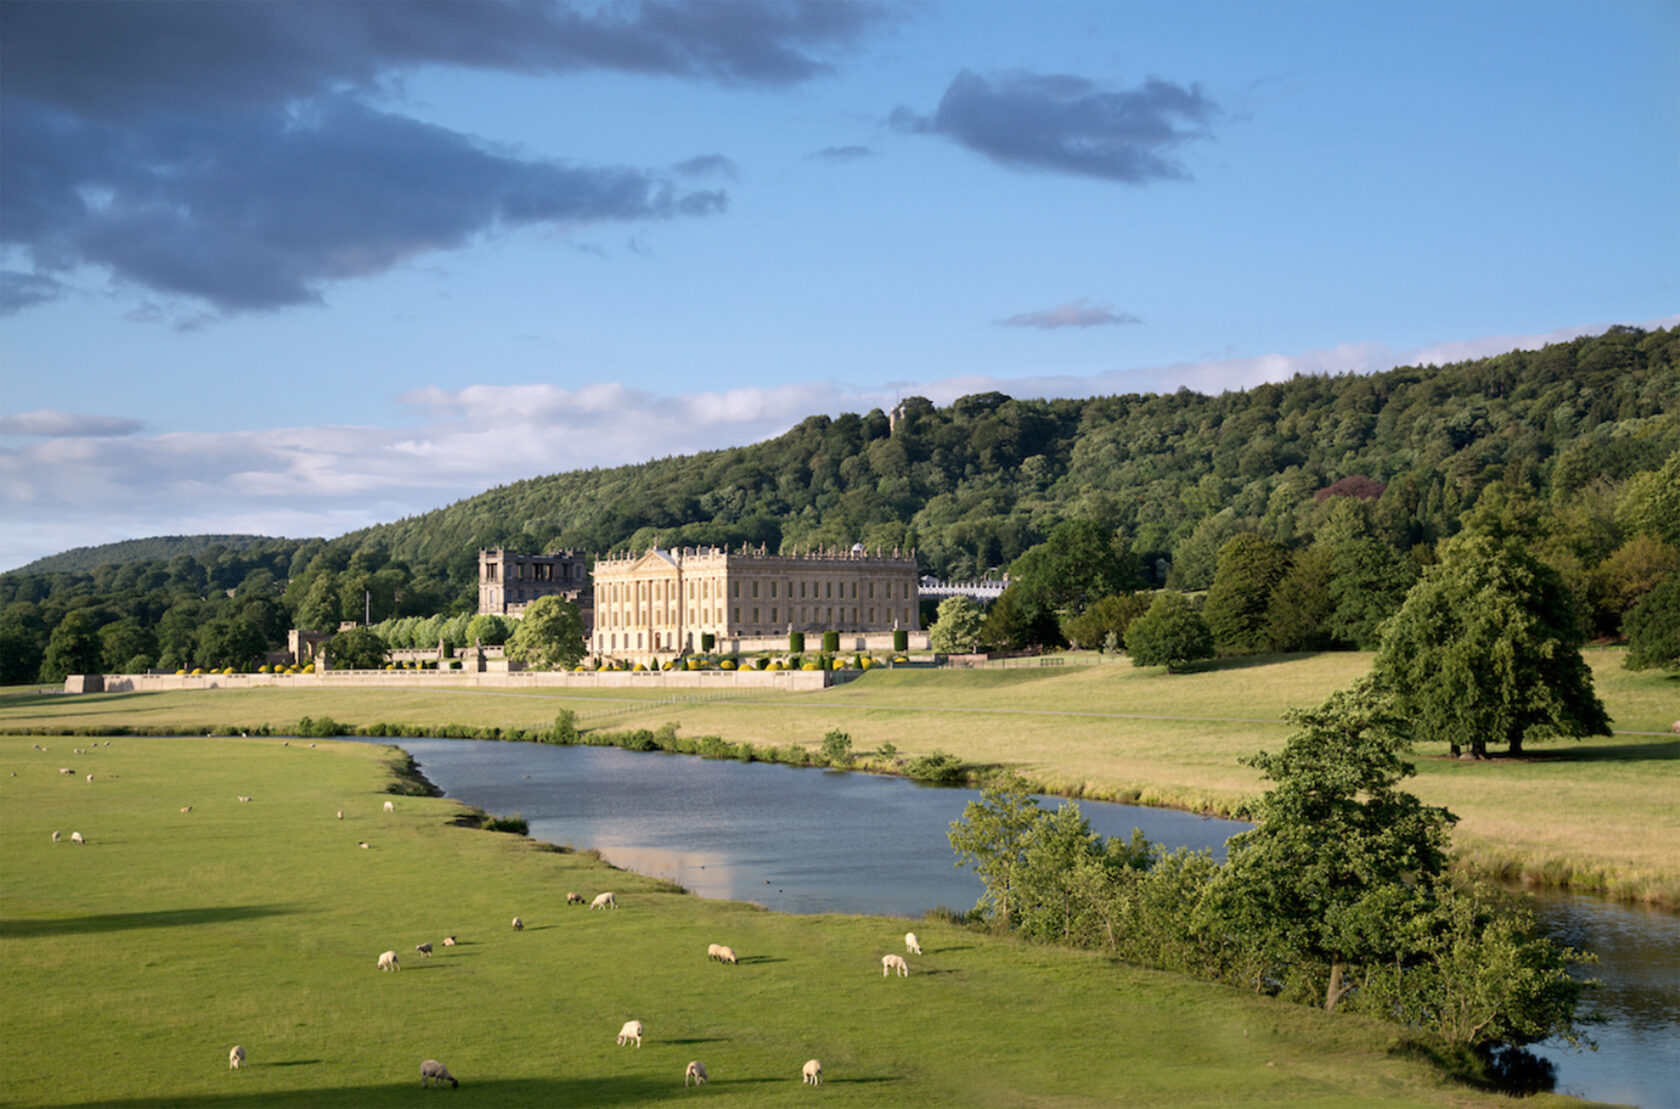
(1600, 815)
(132, 964)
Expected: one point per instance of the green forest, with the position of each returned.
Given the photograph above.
(1339, 489)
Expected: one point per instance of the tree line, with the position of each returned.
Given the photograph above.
(1340, 488)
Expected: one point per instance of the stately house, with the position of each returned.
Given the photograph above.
(508, 582)
(664, 602)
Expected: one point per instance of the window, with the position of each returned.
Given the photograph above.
(871, 616)
(802, 591)
(737, 616)
(735, 590)
(830, 590)
(872, 591)
(755, 590)
(772, 593)
(831, 617)
(755, 616)
(854, 591)
(773, 618)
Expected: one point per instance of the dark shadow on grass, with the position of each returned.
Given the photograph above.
(754, 960)
(1619, 752)
(289, 1063)
(619, 1090)
(1245, 662)
(123, 922)
(696, 1040)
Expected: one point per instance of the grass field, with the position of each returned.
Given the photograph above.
(1601, 815)
(131, 965)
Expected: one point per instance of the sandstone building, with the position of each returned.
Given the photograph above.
(508, 582)
(663, 602)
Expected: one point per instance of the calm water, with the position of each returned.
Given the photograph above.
(808, 841)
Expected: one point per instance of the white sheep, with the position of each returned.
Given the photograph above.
(890, 963)
(90, 777)
(388, 961)
(55, 837)
(76, 837)
(604, 901)
(518, 925)
(697, 1071)
(632, 1030)
(812, 1073)
(912, 944)
(449, 941)
(574, 898)
(236, 1057)
(389, 807)
(244, 798)
(363, 845)
(186, 808)
(66, 770)
(424, 949)
(341, 814)
(431, 1069)
(725, 954)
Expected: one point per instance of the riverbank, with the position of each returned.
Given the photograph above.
(1599, 816)
(133, 963)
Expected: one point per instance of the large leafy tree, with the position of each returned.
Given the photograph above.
(1369, 581)
(992, 836)
(1342, 855)
(956, 628)
(73, 648)
(1249, 570)
(1170, 634)
(357, 649)
(1653, 629)
(549, 635)
(1486, 651)
(1079, 562)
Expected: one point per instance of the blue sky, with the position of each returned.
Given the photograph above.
(297, 268)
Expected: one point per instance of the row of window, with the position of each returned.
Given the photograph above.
(618, 592)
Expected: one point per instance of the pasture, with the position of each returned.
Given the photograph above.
(132, 964)
(1600, 815)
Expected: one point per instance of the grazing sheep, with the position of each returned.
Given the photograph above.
(363, 845)
(424, 949)
(697, 1071)
(341, 814)
(388, 961)
(726, 954)
(389, 807)
(632, 1030)
(574, 898)
(604, 901)
(90, 777)
(186, 808)
(449, 941)
(912, 944)
(890, 963)
(712, 949)
(55, 837)
(431, 1069)
(65, 770)
(812, 1073)
(76, 837)
(518, 925)
(243, 798)
(236, 1057)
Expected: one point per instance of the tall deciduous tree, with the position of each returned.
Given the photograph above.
(1170, 634)
(1486, 650)
(73, 648)
(956, 627)
(549, 636)
(1332, 872)
(357, 649)
(1369, 581)
(1653, 629)
(991, 836)
(1249, 571)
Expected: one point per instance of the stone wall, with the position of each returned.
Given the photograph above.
(756, 680)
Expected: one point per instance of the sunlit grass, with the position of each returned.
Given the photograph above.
(1603, 814)
(130, 965)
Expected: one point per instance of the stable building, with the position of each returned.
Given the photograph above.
(664, 603)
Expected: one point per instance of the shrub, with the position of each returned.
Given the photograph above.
(513, 822)
(796, 643)
(837, 747)
(901, 639)
(707, 641)
(940, 766)
(565, 727)
(831, 642)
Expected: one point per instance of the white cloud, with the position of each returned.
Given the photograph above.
(74, 487)
(48, 421)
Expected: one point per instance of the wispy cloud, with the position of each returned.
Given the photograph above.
(1068, 124)
(1076, 313)
(839, 155)
(48, 422)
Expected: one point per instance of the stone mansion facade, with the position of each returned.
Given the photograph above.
(663, 603)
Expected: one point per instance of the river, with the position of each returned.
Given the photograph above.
(809, 841)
